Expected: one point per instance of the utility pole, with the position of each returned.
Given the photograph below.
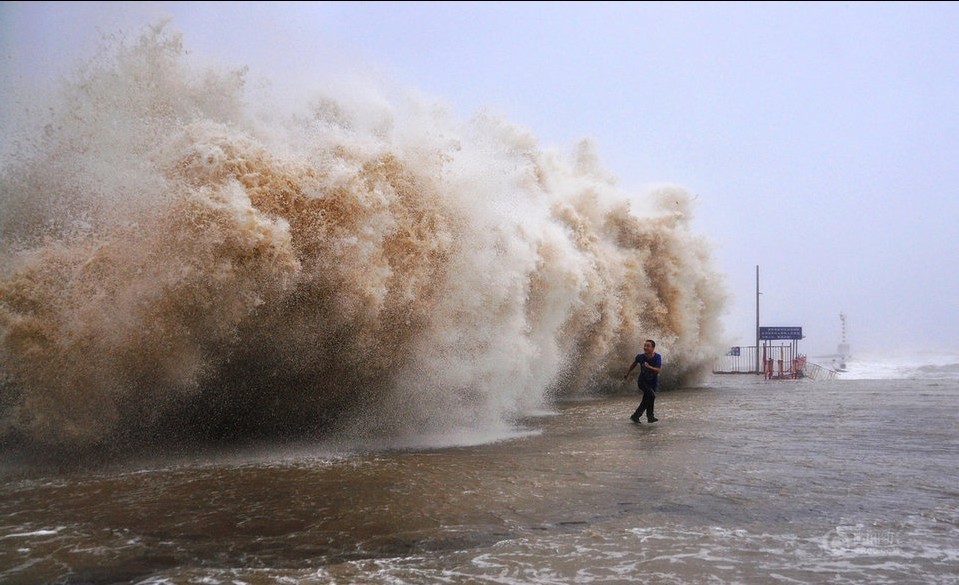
(758, 370)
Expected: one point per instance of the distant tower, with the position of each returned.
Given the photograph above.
(844, 345)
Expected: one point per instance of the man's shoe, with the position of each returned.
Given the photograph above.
(635, 419)
(652, 420)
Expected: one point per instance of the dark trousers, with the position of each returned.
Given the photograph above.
(649, 397)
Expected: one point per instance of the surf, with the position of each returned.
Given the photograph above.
(178, 267)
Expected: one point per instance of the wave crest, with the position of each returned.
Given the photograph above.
(175, 268)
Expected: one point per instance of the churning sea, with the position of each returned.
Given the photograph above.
(742, 480)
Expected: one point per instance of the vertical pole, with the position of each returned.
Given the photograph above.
(758, 369)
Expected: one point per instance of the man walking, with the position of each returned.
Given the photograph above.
(650, 363)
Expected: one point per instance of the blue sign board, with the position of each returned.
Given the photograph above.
(774, 333)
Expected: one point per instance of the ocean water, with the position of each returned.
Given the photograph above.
(184, 260)
(741, 481)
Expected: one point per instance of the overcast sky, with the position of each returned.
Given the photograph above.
(822, 139)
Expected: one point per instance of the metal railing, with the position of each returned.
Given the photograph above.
(819, 373)
(777, 362)
(738, 360)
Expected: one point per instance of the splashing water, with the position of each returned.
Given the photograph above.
(175, 267)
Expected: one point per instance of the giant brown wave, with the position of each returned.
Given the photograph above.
(175, 265)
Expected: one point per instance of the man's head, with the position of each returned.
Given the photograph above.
(649, 346)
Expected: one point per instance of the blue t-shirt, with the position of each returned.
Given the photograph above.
(648, 377)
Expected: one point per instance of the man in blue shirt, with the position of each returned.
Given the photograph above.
(650, 363)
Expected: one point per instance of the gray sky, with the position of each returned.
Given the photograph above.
(821, 138)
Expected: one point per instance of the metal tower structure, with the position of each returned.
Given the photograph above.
(843, 345)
